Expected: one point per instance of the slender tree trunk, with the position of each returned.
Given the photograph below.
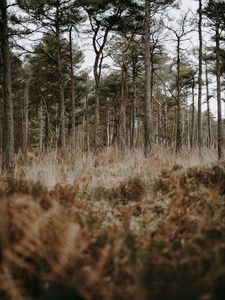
(41, 126)
(174, 133)
(134, 106)
(124, 98)
(44, 123)
(208, 106)
(8, 130)
(218, 88)
(192, 115)
(62, 130)
(148, 98)
(108, 127)
(188, 129)
(25, 117)
(47, 125)
(178, 132)
(97, 116)
(97, 70)
(200, 77)
(86, 123)
(158, 124)
(166, 123)
(73, 110)
(97, 76)
(115, 129)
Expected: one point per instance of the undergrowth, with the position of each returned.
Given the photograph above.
(143, 237)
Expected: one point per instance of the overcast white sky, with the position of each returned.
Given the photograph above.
(185, 6)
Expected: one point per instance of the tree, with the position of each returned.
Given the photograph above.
(208, 96)
(179, 37)
(148, 94)
(24, 108)
(8, 131)
(215, 14)
(104, 16)
(55, 16)
(151, 7)
(200, 76)
(44, 91)
(73, 98)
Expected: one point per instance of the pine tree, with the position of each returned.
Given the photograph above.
(8, 128)
(215, 14)
(56, 17)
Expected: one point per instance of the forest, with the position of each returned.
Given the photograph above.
(112, 161)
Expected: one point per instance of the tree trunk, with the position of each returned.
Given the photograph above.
(134, 106)
(97, 117)
(62, 130)
(47, 125)
(97, 76)
(200, 77)
(41, 126)
(148, 98)
(178, 132)
(86, 123)
(218, 88)
(166, 123)
(73, 110)
(25, 117)
(208, 106)
(8, 130)
(124, 98)
(192, 115)
(97, 70)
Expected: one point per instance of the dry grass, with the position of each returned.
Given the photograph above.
(113, 226)
(108, 168)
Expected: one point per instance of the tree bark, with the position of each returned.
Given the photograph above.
(148, 98)
(8, 129)
(192, 114)
(200, 77)
(178, 120)
(47, 131)
(73, 110)
(41, 125)
(134, 107)
(25, 117)
(62, 130)
(124, 99)
(97, 70)
(208, 106)
(86, 123)
(218, 88)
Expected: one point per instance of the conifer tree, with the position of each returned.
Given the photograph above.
(215, 14)
(8, 128)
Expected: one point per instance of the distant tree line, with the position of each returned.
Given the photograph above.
(145, 97)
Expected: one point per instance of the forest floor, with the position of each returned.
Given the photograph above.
(114, 226)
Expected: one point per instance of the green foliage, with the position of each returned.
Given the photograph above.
(110, 14)
(43, 86)
(45, 12)
(215, 10)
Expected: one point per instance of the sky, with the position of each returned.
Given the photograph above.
(185, 6)
(89, 55)
(86, 47)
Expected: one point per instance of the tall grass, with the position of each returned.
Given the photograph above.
(114, 225)
(108, 167)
